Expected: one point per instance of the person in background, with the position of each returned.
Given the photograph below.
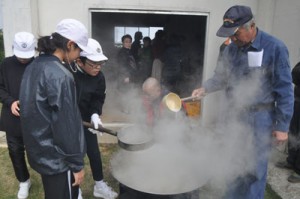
(153, 102)
(11, 71)
(172, 60)
(127, 72)
(127, 64)
(293, 160)
(136, 45)
(158, 48)
(50, 118)
(91, 89)
(259, 92)
(151, 98)
(145, 59)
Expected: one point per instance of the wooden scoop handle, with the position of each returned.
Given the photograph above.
(189, 98)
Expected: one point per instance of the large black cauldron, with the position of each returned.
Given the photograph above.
(156, 173)
(128, 193)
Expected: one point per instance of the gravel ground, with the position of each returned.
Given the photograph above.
(277, 178)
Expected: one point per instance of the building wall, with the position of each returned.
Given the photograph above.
(16, 17)
(286, 26)
(41, 16)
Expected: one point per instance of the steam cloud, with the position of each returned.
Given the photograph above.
(185, 156)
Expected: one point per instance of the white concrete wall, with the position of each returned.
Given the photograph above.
(286, 26)
(278, 17)
(17, 16)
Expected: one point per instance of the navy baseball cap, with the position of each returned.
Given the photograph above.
(233, 18)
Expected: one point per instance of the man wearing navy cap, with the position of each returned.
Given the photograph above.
(256, 76)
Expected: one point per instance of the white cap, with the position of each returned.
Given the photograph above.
(96, 53)
(24, 45)
(75, 31)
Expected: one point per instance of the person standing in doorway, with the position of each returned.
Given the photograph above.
(158, 48)
(256, 75)
(127, 65)
(11, 72)
(145, 60)
(127, 72)
(136, 45)
(172, 60)
(50, 118)
(91, 89)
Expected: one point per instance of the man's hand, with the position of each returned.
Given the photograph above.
(96, 121)
(280, 136)
(78, 178)
(198, 93)
(15, 109)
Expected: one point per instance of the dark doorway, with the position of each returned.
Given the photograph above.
(191, 27)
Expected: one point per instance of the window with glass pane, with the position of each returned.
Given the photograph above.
(146, 31)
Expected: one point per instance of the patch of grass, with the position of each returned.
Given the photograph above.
(9, 184)
(270, 193)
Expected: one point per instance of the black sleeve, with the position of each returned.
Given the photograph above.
(5, 96)
(296, 74)
(98, 98)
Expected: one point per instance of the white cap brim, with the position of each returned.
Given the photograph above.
(94, 52)
(85, 48)
(23, 54)
(96, 58)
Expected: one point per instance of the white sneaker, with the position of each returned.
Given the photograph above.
(24, 189)
(102, 190)
(80, 194)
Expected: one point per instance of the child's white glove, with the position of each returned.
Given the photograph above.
(96, 120)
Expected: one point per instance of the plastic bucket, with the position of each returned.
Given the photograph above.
(193, 108)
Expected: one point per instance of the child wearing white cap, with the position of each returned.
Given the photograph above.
(11, 71)
(91, 89)
(50, 118)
